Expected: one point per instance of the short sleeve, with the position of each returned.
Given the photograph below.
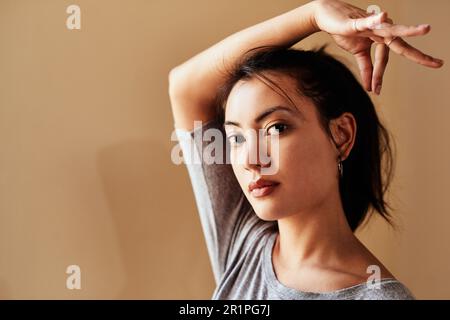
(226, 216)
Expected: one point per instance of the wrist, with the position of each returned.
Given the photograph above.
(313, 6)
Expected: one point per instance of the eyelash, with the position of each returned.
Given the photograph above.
(277, 124)
(267, 130)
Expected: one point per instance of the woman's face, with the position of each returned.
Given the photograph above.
(305, 163)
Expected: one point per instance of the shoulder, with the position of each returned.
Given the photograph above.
(387, 289)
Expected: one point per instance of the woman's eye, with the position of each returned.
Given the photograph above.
(236, 139)
(276, 128)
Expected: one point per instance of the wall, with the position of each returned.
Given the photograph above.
(85, 170)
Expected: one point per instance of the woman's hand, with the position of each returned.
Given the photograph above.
(355, 30)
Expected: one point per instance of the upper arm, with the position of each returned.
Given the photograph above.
(226, 216)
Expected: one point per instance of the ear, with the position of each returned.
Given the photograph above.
(343, 130)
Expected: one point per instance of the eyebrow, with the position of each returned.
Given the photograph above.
(263, 115)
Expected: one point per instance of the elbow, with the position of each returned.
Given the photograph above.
(175, 82)
(173, 73)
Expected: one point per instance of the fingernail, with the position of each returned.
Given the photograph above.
(378, 89)
(424, 25)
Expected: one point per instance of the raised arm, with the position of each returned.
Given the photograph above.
(193, 85)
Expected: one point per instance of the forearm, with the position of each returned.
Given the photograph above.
(205, 70)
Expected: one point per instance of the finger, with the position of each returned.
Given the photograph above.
(381, 39)
(380, 63)
(368, 23)
(403, 48)
(377, 39)
(364, 61)
(395, 30)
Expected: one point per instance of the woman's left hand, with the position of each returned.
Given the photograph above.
(355, 31)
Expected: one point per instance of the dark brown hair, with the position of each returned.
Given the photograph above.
(334, 90)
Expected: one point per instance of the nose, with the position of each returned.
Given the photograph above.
(255, 154)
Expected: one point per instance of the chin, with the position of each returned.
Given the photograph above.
(267, 217)
(273, 211)
(267, 213)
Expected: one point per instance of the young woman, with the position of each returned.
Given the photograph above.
(290, 234)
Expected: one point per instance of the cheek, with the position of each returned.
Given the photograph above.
(306, 167)
(243, 178)
(238, 169)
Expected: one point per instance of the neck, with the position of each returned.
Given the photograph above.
(319, 236)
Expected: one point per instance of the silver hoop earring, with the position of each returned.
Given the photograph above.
(341, 168)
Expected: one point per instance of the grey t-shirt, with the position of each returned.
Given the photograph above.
(239, 243)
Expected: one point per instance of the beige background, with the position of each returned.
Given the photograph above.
(85, 170)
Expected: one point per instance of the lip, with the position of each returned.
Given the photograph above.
(261, 188)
